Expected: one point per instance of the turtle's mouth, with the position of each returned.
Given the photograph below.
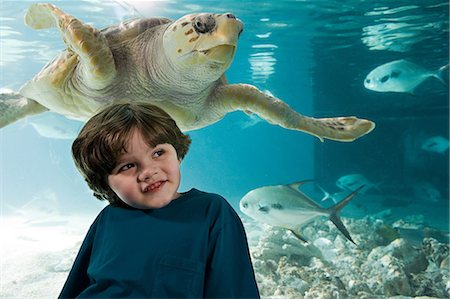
(221, 53)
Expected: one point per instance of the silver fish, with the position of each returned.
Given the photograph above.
(52, 125)
(400, 76)
(437, 144)
(425, 191)
(354, 181)
(286, 206)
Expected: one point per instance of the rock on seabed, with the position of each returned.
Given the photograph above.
(382, 265)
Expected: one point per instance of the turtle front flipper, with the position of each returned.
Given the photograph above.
(13, 107)
(249, 98)
(97, 68)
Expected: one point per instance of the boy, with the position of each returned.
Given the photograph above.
(151, 241)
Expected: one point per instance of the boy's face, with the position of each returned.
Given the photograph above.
(145, 177)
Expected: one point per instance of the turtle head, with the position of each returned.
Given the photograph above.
(203, 44)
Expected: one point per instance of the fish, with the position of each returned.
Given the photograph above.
(416, 236)
(437, 144)
(287, 207)
(354, 181)
(401, 76)
(425, 191)
(42, 209)
(54, 126)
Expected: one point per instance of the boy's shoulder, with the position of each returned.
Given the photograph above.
(193, 199)
(214, 203)
(206, 197)
(202, 194)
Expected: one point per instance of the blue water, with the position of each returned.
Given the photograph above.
(314, 55)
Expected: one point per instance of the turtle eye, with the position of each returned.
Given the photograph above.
(204, 23)
(384, 79)
(200, 27)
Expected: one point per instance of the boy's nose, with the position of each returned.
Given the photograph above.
(147, 174)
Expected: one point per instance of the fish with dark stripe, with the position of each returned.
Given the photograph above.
(288, 207)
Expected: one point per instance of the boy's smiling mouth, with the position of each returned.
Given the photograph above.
(155, 186)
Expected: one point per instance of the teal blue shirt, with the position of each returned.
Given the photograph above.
(195, 247)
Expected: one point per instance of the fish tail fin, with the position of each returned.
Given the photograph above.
(340, 225)
(442, 74)
(334, 217)
(326, 195)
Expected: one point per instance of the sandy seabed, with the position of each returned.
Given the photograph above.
(36, 256)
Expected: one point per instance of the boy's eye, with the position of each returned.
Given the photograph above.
(126, 167)
(158, 153)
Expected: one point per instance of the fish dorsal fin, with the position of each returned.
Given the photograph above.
(295, 186)
(302, 196)
(441, 74)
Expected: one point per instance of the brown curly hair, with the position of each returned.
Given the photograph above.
(105, 136)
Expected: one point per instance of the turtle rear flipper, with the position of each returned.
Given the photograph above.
(13, 107)
(97, 68)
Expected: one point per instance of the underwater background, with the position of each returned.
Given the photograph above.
(315, 56)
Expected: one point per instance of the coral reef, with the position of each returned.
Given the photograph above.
(383, 264)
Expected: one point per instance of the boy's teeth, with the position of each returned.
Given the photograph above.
(155, 185)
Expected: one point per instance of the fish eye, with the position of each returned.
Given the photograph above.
(367, 80)
(245, 205)
(384, 79)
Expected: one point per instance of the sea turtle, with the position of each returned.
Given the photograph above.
(176, 65)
